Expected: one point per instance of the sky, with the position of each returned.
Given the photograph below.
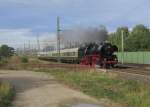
(22, 20)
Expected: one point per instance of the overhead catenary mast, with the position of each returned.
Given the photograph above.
(29, 48)
(122, 46)
(58, 37)
(24, 48)
(38, 43)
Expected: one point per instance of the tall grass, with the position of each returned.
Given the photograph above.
(6, 94)
(125, 92)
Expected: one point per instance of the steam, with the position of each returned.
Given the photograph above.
(78, 36)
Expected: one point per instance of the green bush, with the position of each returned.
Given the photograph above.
(6, 94)
(24, 60)
(3, 62)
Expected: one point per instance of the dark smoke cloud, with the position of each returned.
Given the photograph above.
(83, 35)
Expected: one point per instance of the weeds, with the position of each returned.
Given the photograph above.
(24, 59)
(6, 94)
(125, 92)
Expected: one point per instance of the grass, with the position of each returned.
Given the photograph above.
(6, 95)
(126, 93)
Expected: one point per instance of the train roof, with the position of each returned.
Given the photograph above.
(61, 51)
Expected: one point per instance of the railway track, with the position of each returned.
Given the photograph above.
(140, 70)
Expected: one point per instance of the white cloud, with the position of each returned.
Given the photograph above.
(111, 13)
(18, 37)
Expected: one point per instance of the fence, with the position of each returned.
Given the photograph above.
(134, 57)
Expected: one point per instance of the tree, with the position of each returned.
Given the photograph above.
(139, 39)
(115, 38)
(6, 51)
(136, 40)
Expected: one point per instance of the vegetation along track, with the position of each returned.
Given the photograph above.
(126, 69)
(140, 70)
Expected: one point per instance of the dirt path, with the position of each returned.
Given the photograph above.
(36, 89)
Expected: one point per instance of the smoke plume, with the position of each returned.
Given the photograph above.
(78, 36)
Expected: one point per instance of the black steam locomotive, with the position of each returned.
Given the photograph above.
(98, 55)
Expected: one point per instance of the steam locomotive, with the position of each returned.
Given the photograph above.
(98, 55)
(93, 54)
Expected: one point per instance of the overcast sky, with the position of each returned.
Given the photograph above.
(22, 20)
